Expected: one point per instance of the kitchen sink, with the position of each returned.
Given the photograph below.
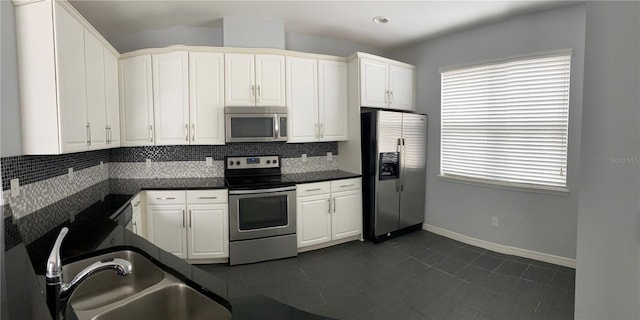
(106, 287)
(147, 293)
(176, 301)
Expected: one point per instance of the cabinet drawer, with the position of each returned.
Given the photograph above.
(309, 189)
(345, 184)
(166, 197)
(207, 196)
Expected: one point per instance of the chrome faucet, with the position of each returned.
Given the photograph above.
(59, 292)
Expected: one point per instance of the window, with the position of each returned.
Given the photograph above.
(507, 122)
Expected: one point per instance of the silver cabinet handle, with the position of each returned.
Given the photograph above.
(317, 131)
(208, 197)
(391, 96)
(329, 201)
(253, 91)
(135, 227)
(88, 134)
(151, 133)
(259, 94)
(106, 132)
(314, 189)
(190, 218)
(186, 132)
(136, 204)
(386, 96)
(168, 198)
(193, 132)
(322, 130)
(346, 185)
(334, 205)
(184, 216)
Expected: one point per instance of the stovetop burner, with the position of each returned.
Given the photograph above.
(254, 172)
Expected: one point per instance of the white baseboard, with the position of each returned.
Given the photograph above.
(329, 244)
(567, 262)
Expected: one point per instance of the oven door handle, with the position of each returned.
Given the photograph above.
(258, 191)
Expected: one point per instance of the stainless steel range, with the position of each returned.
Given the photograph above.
(262, 210)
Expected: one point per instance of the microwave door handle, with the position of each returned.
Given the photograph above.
(276, 125)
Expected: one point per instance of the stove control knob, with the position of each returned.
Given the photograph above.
(268, 161)
(230, 163)
(275, 161)
(237, 163)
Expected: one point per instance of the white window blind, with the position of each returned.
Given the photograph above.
(507, 122)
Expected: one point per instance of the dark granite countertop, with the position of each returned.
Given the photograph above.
(88, 215)
(319, 176)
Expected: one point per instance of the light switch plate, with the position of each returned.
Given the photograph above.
(148, 161)
(329, 156)
(15, 187)
(209, 161)
(304, 157)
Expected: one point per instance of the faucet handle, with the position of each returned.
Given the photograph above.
(54, 263)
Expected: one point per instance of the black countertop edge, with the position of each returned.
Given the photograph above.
(320, 176)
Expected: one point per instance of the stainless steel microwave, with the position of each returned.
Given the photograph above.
(256, 124)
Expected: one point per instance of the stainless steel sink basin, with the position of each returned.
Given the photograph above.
(147, 293)
(176, 301)
(107, 287)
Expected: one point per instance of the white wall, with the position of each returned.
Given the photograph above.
(10, 127)
(533, 221)
(607, 283)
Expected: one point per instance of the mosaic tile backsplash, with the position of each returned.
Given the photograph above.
(30, 169)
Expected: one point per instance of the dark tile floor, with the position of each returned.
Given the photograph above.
(420, 275)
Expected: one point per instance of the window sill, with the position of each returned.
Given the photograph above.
(556, 191)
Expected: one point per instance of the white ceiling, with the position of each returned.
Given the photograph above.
(410, 21)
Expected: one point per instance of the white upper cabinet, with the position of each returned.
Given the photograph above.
(136, 102)
(171, 98)
(96, 93)
(402, 88)
(206, 97)
(302, 99)
(317, 100)
(333, 98)
(254, 80)
(62, 79)
(112, 98)
(72, 88)
(386, 84)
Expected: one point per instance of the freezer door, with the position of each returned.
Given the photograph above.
(413, 169)
(387, 195)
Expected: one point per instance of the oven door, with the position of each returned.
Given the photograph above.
(262, 213)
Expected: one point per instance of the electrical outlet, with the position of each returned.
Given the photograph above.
(304, 157)
(15, 187)
(209, 161)
(494, 222)
(101, 164)
(148, 162)
(329, 156)
(71, 175)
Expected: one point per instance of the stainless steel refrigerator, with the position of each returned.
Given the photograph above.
(394, 151)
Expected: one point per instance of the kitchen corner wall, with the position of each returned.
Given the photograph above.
(45, 180)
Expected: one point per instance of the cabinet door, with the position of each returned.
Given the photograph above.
(270, 84)
(206, 97)
(313, 220)
(332, 92)
(239, 80)
(167, 228)
(96, 95)
(346, 219)
(171, 98)
(111, 98)
(72, 92)
(402, 88)
(136, 101)
(208, 231)
(302, 99)
(373, 83)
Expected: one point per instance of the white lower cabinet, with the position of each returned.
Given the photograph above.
(328, 211)
(192, 225)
